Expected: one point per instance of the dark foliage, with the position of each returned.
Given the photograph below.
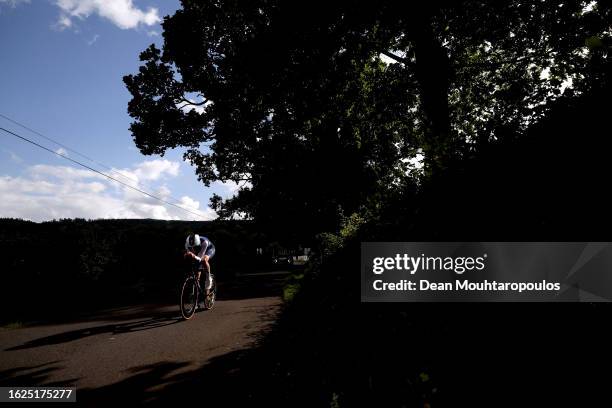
(76, 265)
(295, 99)
(549, 185)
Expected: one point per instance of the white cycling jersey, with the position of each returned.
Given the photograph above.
(206, 248)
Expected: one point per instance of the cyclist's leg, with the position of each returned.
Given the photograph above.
(201, 292)
(208, 283)
(210, 252)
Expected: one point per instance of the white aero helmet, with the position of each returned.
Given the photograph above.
(193, 240)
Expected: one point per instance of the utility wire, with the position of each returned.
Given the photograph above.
(75, 151)
(25, 139)
(13, 121)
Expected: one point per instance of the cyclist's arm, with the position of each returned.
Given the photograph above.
(200, 256)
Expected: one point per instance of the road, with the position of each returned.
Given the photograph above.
(145, 353)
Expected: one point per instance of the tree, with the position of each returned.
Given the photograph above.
(294, 103)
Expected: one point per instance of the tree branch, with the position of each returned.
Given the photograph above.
(188, 102)
(493, 64)
(395, 57)
(477, 65)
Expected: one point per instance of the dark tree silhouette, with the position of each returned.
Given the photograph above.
(294, 102)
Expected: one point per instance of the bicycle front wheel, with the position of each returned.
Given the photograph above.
(189, 298)
(209, 301)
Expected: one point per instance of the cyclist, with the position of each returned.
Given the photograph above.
(205, 250)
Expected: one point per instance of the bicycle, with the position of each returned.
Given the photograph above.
(192, 292)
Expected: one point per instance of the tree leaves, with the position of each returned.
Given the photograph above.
(302, 107)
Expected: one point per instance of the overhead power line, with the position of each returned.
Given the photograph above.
(29, 129)
(25, 139)
(68, 148)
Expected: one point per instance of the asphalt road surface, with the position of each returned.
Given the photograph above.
(146, 353)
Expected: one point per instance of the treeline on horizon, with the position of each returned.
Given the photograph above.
(74, 265)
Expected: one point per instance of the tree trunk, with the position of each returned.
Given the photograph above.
(433, 75)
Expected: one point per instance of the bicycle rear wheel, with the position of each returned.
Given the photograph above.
(189, 298)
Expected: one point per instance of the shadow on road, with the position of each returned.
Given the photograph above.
(27, 376)
(162, 319)
(232, 379)
(214, 384)
(242, 287)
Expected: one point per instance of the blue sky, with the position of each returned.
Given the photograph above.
(61, 69)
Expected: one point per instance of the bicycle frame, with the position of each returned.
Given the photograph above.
(199, 294)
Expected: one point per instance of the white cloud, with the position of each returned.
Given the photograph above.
(155, 169)
(45, 171)
(226, 188)
(64, 22)
(123, 13)
(163, 191)
(47, 192)
(190, 203)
